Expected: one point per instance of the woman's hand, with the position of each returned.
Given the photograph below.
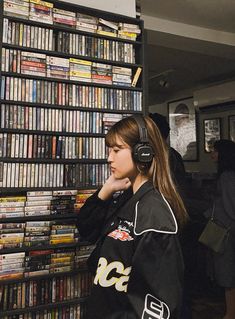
(113, 185)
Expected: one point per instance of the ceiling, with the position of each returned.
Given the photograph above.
(177, 63)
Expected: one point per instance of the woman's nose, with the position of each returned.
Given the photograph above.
(110, 156)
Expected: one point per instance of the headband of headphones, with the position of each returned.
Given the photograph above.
(142, 128)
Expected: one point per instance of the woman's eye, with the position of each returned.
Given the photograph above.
(116, 150)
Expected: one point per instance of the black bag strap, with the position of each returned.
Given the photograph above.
(213, 212)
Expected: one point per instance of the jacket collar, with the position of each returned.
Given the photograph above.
(127, 211)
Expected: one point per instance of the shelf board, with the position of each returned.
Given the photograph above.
(52, 160)
(41, 218)
(43, 247)
(22, 131)
(23, 190)
(48, 276)
(69, 107)
(44, 78)
(58, 304)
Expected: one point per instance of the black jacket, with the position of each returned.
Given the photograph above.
(140, 267)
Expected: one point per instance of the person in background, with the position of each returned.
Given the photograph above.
(195, 208)
(194, 205)
(224, 213)
(134, 219)
(176, 161)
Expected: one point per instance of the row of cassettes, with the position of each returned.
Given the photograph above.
(50, 119)
(24, 35)
(42, 11)
(76, 44)
(38, 206)
(52, 147)
(70, 43)
(38, 64)
(38, 236)
(57, 93)
(39, 292)
(41, 262)
(43, 203)
(66, 312)
(52, 175)
(41, 208)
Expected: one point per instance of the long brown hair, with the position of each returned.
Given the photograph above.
(159, 170)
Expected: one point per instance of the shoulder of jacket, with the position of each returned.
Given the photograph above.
(153, 213)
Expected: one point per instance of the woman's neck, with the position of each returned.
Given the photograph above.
(138, 182)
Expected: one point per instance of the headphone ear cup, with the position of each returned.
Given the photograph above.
(135, 153)
(142, 153)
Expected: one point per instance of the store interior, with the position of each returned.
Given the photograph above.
(189, 58)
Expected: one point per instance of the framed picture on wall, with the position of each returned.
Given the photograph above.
(231, 128)
(183, 128)
(212, 133)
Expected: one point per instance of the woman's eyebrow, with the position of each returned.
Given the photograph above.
(118, 145)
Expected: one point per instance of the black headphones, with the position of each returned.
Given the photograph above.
(142, 151)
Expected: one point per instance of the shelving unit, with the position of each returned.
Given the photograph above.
(62, 87)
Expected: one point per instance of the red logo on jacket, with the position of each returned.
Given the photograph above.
(120, 234)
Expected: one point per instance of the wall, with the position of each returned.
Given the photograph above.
(204, 164)
(123, 7)
(159, 108)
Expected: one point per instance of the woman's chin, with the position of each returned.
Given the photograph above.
(118, 176)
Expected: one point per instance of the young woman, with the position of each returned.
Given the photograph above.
(134, 219)
(224, 213)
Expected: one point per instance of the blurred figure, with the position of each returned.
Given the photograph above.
(195, 207)
(176, 161)
(191, 147)
(179, 176)
(224, 213)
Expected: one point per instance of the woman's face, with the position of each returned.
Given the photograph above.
(121, 162)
